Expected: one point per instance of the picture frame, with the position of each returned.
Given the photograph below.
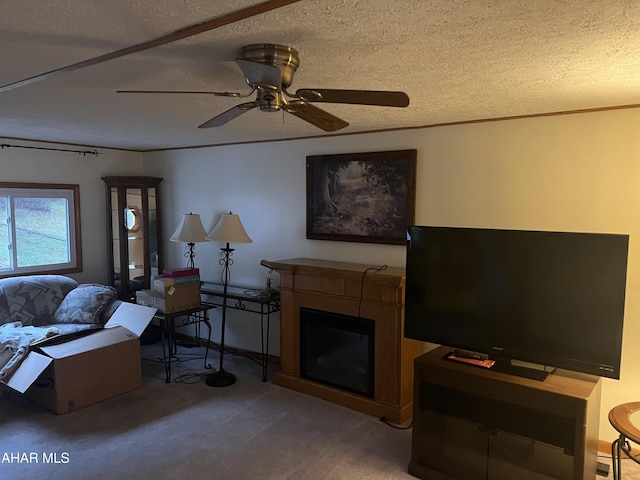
(361, 197)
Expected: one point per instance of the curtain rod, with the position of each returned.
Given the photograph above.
(80, 152)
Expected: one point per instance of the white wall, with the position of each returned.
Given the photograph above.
(42, 166)
(573, 173)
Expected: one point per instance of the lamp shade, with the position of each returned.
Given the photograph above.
(229, 230)
(190, 230)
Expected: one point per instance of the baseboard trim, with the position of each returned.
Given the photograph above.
(604, 447)
(272, 359)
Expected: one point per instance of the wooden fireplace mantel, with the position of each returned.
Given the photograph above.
(355, 290)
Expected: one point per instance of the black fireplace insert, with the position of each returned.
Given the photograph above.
(337, 350)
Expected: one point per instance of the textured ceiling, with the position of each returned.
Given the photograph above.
(458, 60)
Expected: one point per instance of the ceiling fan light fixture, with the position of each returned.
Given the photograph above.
(269, 100)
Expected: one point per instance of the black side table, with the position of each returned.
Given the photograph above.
(252, 301)
(168, 324)
(625, 419)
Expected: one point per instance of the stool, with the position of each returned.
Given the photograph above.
(625, 419)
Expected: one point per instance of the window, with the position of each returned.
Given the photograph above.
(39, 229)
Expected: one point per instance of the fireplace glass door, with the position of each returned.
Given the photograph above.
(337, 350)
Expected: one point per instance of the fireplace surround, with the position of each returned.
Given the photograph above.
(350, 290)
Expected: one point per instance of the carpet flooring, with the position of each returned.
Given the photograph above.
(187, 430)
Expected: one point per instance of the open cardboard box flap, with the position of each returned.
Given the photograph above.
(127, 322)
(133, 317)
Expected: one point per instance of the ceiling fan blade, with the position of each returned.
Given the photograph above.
(180, 34)
(229, 115)
(259, 73)
(217, 94)
(316, 116)
(358, 97)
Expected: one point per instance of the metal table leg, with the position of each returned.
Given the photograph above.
(618, 447)
(263, 355)
(205, 320)
(615, 457)
(168, 336)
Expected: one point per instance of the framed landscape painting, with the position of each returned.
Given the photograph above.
(361, 197)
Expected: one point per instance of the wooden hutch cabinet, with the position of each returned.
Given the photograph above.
(133, 232)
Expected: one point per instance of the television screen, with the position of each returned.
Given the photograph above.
(550, 298)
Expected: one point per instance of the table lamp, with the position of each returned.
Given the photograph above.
(190, 231)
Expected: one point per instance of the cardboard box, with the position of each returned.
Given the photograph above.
(160, 284)
(74, 374)
(175, 298)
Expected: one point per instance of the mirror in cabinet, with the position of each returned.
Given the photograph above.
(133, 230)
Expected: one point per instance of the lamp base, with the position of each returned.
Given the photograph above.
(221, 378)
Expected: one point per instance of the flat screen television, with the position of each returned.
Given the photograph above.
(554, 299)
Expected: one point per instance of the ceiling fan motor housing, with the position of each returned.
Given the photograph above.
(269, 100)
(281, 56)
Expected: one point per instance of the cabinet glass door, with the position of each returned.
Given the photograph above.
(134, 229)
(152, 233)
(452, 446)
(513, 456)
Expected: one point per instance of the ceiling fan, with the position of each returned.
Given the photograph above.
(268, 70)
